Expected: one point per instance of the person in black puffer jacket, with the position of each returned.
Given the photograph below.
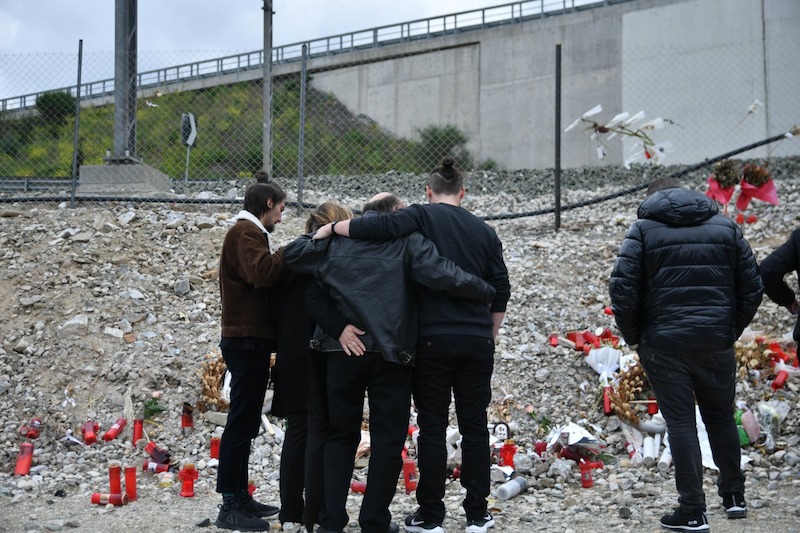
(783, 260)
(684, 286)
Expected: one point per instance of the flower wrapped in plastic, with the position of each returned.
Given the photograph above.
(626, 126)
(756, 183)
(723, 182)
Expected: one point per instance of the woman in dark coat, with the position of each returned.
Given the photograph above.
(299, 384)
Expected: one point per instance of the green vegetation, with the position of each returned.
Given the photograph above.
(437, 142)
(229, 143)
(55, 107)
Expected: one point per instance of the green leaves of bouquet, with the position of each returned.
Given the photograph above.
(152, 407)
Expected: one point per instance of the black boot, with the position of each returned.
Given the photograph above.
(236, 516)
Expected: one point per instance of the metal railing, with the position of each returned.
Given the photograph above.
(479, 19)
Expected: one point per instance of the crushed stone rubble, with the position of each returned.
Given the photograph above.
(104, 304)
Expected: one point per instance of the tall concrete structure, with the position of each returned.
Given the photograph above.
(698, 63)
(125, 20)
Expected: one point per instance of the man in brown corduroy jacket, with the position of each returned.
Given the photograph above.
(247, 270)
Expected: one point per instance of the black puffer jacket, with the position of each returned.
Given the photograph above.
(371, 285)
(785, 259)
(685, 277)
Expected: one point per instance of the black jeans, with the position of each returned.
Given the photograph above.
(464, 364)
(315, 440)
(248, 362)
(678, 379)
(389, 388)
(292, 468)
(302, 465)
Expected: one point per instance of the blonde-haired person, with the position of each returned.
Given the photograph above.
(299, 383)
(326, 213)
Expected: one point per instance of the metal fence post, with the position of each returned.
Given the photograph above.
(75, 143)
(267, 84)
(302, 136)
(557, 165)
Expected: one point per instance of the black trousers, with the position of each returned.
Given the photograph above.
(318, 429)
(389, 390)
(302, 464)
(709, 377)
(248, 363)
(464, 365)
(293, 459)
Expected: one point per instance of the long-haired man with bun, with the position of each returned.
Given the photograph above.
(455, 347)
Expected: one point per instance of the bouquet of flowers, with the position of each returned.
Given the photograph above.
(628, 126)
(754, 181)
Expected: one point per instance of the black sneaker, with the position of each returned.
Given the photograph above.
(260, 510)
(480, 525)
(688, 523)
(235, 516)
(414, 524)
(735, 506)
(393, 528)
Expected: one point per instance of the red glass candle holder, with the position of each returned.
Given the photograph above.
(187, 419)
(32, 429)
(130, 482)
(115, 430)
(138, 430)
(159, 455)
(188, 475)
(24, 459)
(586, 472)
(114, 499)
(115, 477)
(507, 453)
(652, 406)
(152, 466)
(89, 430)
(215, 447)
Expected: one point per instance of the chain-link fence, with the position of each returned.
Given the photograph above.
(397, 103)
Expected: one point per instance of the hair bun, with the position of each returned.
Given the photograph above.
(448, 162)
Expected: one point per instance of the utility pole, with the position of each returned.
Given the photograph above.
(267, 85)
(125, 80)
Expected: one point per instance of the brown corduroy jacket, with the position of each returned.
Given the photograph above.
(247, 269)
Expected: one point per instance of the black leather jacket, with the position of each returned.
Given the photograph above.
(371, 284)
(685, 277)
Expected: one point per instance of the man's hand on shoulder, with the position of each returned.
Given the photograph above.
(323, 232)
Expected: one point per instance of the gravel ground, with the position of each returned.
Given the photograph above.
(105, 304)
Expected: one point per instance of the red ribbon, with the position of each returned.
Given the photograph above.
(765, 192)
(720, 194)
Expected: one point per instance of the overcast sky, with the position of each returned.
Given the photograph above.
(35, 26)
(39, 38)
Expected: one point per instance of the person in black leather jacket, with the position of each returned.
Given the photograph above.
(785, 259)
(371, 285)
(684, 286)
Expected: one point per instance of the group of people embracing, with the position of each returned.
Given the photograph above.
(402, 300)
